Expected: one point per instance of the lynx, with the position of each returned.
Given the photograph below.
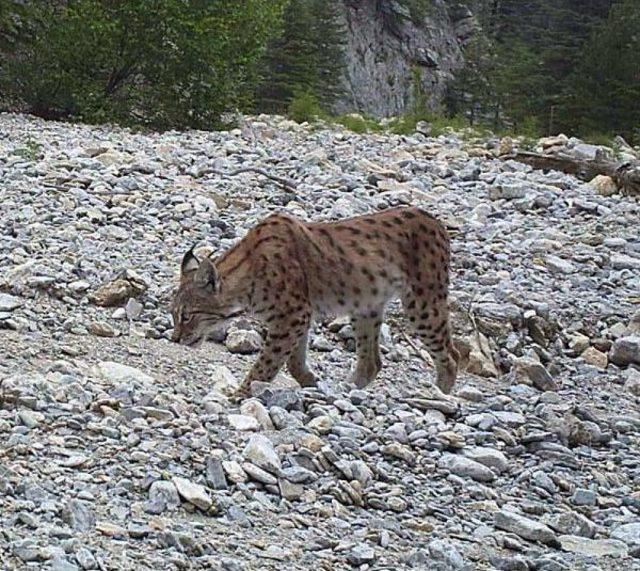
(286, 271)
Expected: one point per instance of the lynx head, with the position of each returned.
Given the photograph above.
(201, 301)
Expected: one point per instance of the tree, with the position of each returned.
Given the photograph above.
(604, 92)
(12, 16)
(161, 63)
(517, 75)
(308, 57)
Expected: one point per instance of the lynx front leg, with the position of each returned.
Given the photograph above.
(297, 363)
(367, 330)
(283, 339)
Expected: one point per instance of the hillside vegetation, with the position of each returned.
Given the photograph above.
(532, 67)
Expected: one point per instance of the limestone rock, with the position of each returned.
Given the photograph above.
(530, 372)
(594, 357)
(593, 547)
(119, 373)
(195, 494)
(626, 351)
(525, 527)
(261, 452)
(466, 468)
(128, 284)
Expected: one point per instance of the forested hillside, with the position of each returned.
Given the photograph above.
(528, 66)
(554, 65)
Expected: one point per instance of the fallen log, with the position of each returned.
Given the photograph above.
(626, 175)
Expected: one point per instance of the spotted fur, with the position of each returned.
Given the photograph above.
(286, 271)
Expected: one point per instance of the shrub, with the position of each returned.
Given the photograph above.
(305, 107)
(161, 63)
(358, 124)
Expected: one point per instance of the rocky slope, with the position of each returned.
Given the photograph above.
(393, 52)
(120, 450)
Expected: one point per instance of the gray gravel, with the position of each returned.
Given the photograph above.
(120, 450)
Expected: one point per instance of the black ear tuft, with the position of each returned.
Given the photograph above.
(189, 262)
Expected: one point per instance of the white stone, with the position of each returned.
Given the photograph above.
(628, 532)
(593, 547)
(119, 373)
(243, 341)
(195, 494)
(133, 308)
(9, 302)
(466, 468)
(234, 471)
(164, 491)
(490, 457)
(632, 384)
(524, 527)
(604, 185)
(261, 452)
(243, 422)
(79, 286)
(557, 265)
(223, 380)
(625, 262)
(257, 410)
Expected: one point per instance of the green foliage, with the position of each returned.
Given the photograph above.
(305, 107)
(604, 92)
(472, 91)
(13, 16)
(31, 150)
(418, 9)
(539, 67)
(358, 124)
(307, 58)
(439, 123)
(160, 63)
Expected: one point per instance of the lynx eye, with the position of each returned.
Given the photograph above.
(185, 316)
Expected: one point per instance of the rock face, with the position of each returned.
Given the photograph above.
(392, 50)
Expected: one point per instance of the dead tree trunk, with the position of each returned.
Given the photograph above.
(626, 175)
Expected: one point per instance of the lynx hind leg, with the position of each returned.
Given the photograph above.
(429, 316)
(367, 330)
(297, 363)
(283, 339)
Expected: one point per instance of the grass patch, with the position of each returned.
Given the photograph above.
(30, 151)
(358, 124)
(438, 124)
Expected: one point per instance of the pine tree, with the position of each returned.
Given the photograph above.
(308, 58)
(532, 47)
(604, 92)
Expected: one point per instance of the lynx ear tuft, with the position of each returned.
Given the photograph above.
(207, 277)
(189, 262)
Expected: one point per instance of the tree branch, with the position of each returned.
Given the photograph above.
(626, 175)
(283, 182)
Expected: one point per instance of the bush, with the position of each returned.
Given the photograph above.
(358, 124)
(304, 107)
(160, 63)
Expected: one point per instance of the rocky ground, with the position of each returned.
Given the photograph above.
(120, 450)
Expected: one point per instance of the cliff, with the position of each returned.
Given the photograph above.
(394, 48)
